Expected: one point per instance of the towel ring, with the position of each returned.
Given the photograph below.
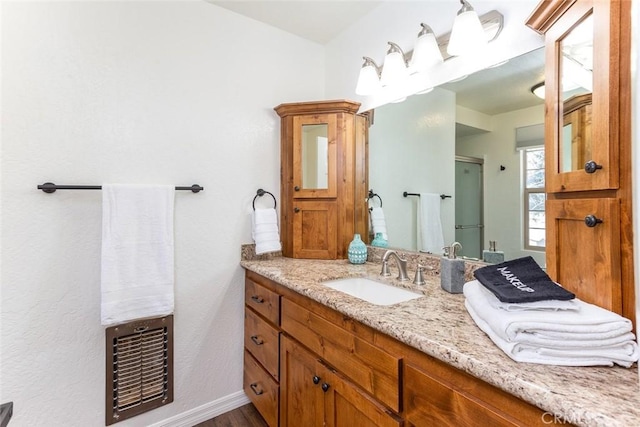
(261, 193)
(371, 196)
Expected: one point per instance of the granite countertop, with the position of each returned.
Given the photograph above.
(440, 326)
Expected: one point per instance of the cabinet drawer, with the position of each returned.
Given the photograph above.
(261, 389)
(370, 368)
(262, 341)
(262, 300)
(453, 398)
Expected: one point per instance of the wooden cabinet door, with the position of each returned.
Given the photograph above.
(314, 229)
(301, 396)
(346, 405)
(583, 249)
(566, 168)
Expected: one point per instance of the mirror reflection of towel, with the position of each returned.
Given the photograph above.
(430, 238)
(378, 222)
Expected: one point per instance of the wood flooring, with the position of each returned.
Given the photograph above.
(244, 416)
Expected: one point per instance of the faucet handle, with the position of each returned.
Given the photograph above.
(419, 277)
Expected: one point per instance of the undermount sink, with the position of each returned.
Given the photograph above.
(372, 291)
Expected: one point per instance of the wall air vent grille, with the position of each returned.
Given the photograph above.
(139, 367)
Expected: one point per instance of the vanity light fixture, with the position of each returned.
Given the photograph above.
(369, 78)
(426, 53)
(395, 68)
(467, 34)
(538, 90)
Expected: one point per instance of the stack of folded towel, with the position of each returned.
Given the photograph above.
(265, 231)
(378, 222)
(541, 322)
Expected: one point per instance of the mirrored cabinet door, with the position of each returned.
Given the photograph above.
(582, 76)
(314, 156)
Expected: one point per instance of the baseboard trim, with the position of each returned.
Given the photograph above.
(207, 411)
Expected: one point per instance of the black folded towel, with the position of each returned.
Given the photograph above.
(520, 280)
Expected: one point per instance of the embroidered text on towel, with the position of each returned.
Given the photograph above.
(513, 279)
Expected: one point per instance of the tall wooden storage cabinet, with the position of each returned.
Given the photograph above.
(323, 178)
(588, 149)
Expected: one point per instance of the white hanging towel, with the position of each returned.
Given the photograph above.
(430, 238)
(137, 252)
(378, 223)
(265, 231)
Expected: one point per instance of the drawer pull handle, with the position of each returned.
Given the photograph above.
(591, 167)
(256, 340)
(316, 379)
(257, 299)
(325, 387)
(255, 389)
(592, 220)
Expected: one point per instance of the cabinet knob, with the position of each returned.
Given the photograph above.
(316, 379)
(592, 220)
(591, 167)
(296, 188)
(296, 210)
(325, 387)
(255, 389)
(256, 340)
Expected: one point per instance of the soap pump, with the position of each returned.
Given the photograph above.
(452, 269)
(492, 256)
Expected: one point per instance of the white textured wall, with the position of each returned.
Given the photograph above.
(503, 202)
(411, 148)
(132, 92)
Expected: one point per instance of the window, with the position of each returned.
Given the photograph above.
(534, 198)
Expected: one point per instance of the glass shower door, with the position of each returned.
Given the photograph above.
(469, 206)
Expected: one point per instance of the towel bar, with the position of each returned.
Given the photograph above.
(442, 196)
(50, 187)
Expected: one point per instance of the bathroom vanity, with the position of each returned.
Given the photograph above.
(421, 362)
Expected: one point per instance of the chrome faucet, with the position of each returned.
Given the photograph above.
(401, 262)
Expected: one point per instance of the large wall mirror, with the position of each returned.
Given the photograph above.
(480, 141)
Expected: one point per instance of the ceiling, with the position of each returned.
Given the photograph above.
(492, 91)
(318, 21)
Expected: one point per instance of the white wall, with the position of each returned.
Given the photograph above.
(409, 144)
(503, 203)
(132, 92)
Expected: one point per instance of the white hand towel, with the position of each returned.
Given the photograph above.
(137, 274)
(624, 354)
(265, 230)
(430, 236)
(378, 222)
(589, 322)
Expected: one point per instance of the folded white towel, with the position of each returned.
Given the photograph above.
(137, 274)
(264, 230)
(623, 354)
(588, 322)
(430, 236)
(378, 223)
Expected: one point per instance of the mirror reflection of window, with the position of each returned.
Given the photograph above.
(315, 160)
(534, 199)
